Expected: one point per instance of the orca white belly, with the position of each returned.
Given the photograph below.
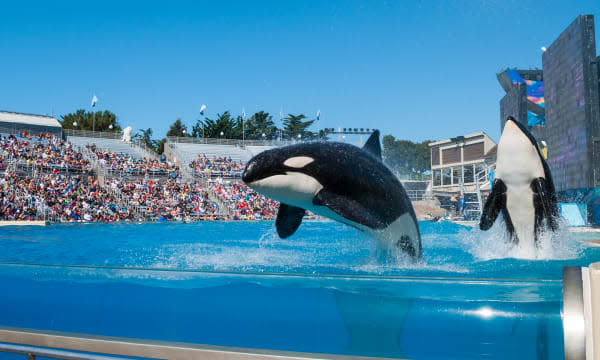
(519, 204)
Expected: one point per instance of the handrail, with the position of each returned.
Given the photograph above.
(33, 351)
(93, 134)
(237, 142)
(150, 349)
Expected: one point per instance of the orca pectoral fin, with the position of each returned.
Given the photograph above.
(288, 220)
(544, 204)
(347, 208)
(495, 202)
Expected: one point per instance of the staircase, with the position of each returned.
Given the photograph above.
(473, 197)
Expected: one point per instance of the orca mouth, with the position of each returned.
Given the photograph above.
(250, 172)
(255, 171)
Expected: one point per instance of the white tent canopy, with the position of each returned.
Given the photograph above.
(28, 119)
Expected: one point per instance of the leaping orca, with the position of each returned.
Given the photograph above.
(523, 189)
(341, 182)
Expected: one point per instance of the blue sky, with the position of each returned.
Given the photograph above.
(414, 69)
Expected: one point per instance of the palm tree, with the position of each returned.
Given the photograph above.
(224, 123)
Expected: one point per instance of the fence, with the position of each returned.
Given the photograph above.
(418, 195)
(236, 142)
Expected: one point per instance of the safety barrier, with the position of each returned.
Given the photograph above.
(61, 345)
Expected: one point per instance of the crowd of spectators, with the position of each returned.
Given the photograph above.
(59, 198)
(127, 165)
(168, 200)
(217, 167)
(244, 203)
(44, 151)
(48, 193)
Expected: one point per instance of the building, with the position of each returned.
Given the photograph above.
(567, 92)
(524, 99)
(13, 122)
(457, 160)
(572, 129)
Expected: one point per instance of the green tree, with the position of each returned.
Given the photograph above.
(260, 123)
(159, 145)
(178, 128)
(293, 125)
(406, 157)
(145, 136)
(85, 121)
(225, 123)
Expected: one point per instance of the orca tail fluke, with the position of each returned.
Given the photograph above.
(408, 246)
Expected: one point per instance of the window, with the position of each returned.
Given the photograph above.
(457, 175)
(446, 176)
(473, 151)
(479, 167)
(435, 156)
(468, 174)
(437, 177)
(451, 155)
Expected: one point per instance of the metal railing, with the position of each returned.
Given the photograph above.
(79, 346)
(93, 134)
(418, 195)
(236, 142)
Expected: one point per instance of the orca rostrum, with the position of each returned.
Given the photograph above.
(522, 190)
(341, 182)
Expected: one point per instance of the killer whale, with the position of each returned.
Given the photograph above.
(523, 189)
(341, 182)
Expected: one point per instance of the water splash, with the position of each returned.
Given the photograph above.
(496, 243)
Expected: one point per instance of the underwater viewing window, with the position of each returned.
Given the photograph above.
(456, 175)
(446, 176)
(468, 174)
(437, 178)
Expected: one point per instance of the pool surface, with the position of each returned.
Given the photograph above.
(327, 289)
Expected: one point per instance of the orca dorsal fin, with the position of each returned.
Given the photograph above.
(372, 145)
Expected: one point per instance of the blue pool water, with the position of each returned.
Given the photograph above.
(327, 289)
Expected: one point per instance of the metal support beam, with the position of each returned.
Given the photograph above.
(572, 314)
(149, 349)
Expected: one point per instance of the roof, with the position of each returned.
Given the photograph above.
(461, 138)
(29, 119)
(492, 153)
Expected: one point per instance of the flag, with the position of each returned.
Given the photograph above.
(281, 113)
(243, 114)
(318, 114)
(202, 109)
(94, 100)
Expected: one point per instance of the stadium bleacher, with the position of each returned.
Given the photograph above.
(113, 145)
(188, 152)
